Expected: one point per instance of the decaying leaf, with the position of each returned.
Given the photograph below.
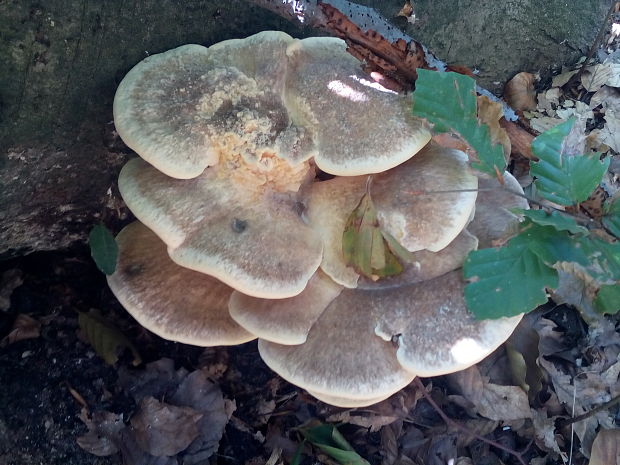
(103, 433)
(606, 448)
(162, 429)
(519, 92)
(544, 430)
(107, 340)
(490, 113)
(204, 396)
(563, 78)
(24, 327)
(186, 428)
(595, 77)
(610, 133)
(608, 98)
(544, 123)
(522, 352)
(372, 252)
(492, 401)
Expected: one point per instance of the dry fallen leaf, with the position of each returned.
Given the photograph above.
(162, 429)
(608, 98)
(492, 401)
(519, 92)
(595, 77)
(541, 123)
(190, 423)
(561, 79)
(204, 396)
(610, 134)
(522, 352)
(24, 327)
(606, 448)
(103, 433)
(614, 78)
(544, 428)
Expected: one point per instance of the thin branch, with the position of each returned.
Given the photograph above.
(594, 47)
(594, 411)
(449, 421)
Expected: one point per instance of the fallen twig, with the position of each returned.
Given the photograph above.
(449, 421)
(588, 414)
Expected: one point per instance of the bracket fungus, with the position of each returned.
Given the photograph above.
(240, 239)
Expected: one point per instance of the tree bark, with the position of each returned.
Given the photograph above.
(62, 60)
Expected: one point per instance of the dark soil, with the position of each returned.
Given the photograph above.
(46, 383)
(39, 416)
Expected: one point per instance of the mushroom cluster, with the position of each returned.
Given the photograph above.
(253, 155)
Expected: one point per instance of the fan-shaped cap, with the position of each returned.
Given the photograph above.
(285, 321)
(173, 302)
(341, 356)
(345, 402)
(428, 201)
(185, 109)
(350, 354)
(412, 204)
(359, 127)
(436, 333)
(493, 220)
(254, 242)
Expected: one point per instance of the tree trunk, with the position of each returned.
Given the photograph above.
(61, 61)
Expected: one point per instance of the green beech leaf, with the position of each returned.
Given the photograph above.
(561, 178)
(599, 259)
(552, 246)
(103, 249)
(507, 281)
(560, 221)
(608, 299)
(369, 250)
(611, 220)
(107, 340)
(602, 259)
(448, 100)
(329, 440)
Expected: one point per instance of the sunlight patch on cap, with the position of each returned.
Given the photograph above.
(467, 350)
(343, 90)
